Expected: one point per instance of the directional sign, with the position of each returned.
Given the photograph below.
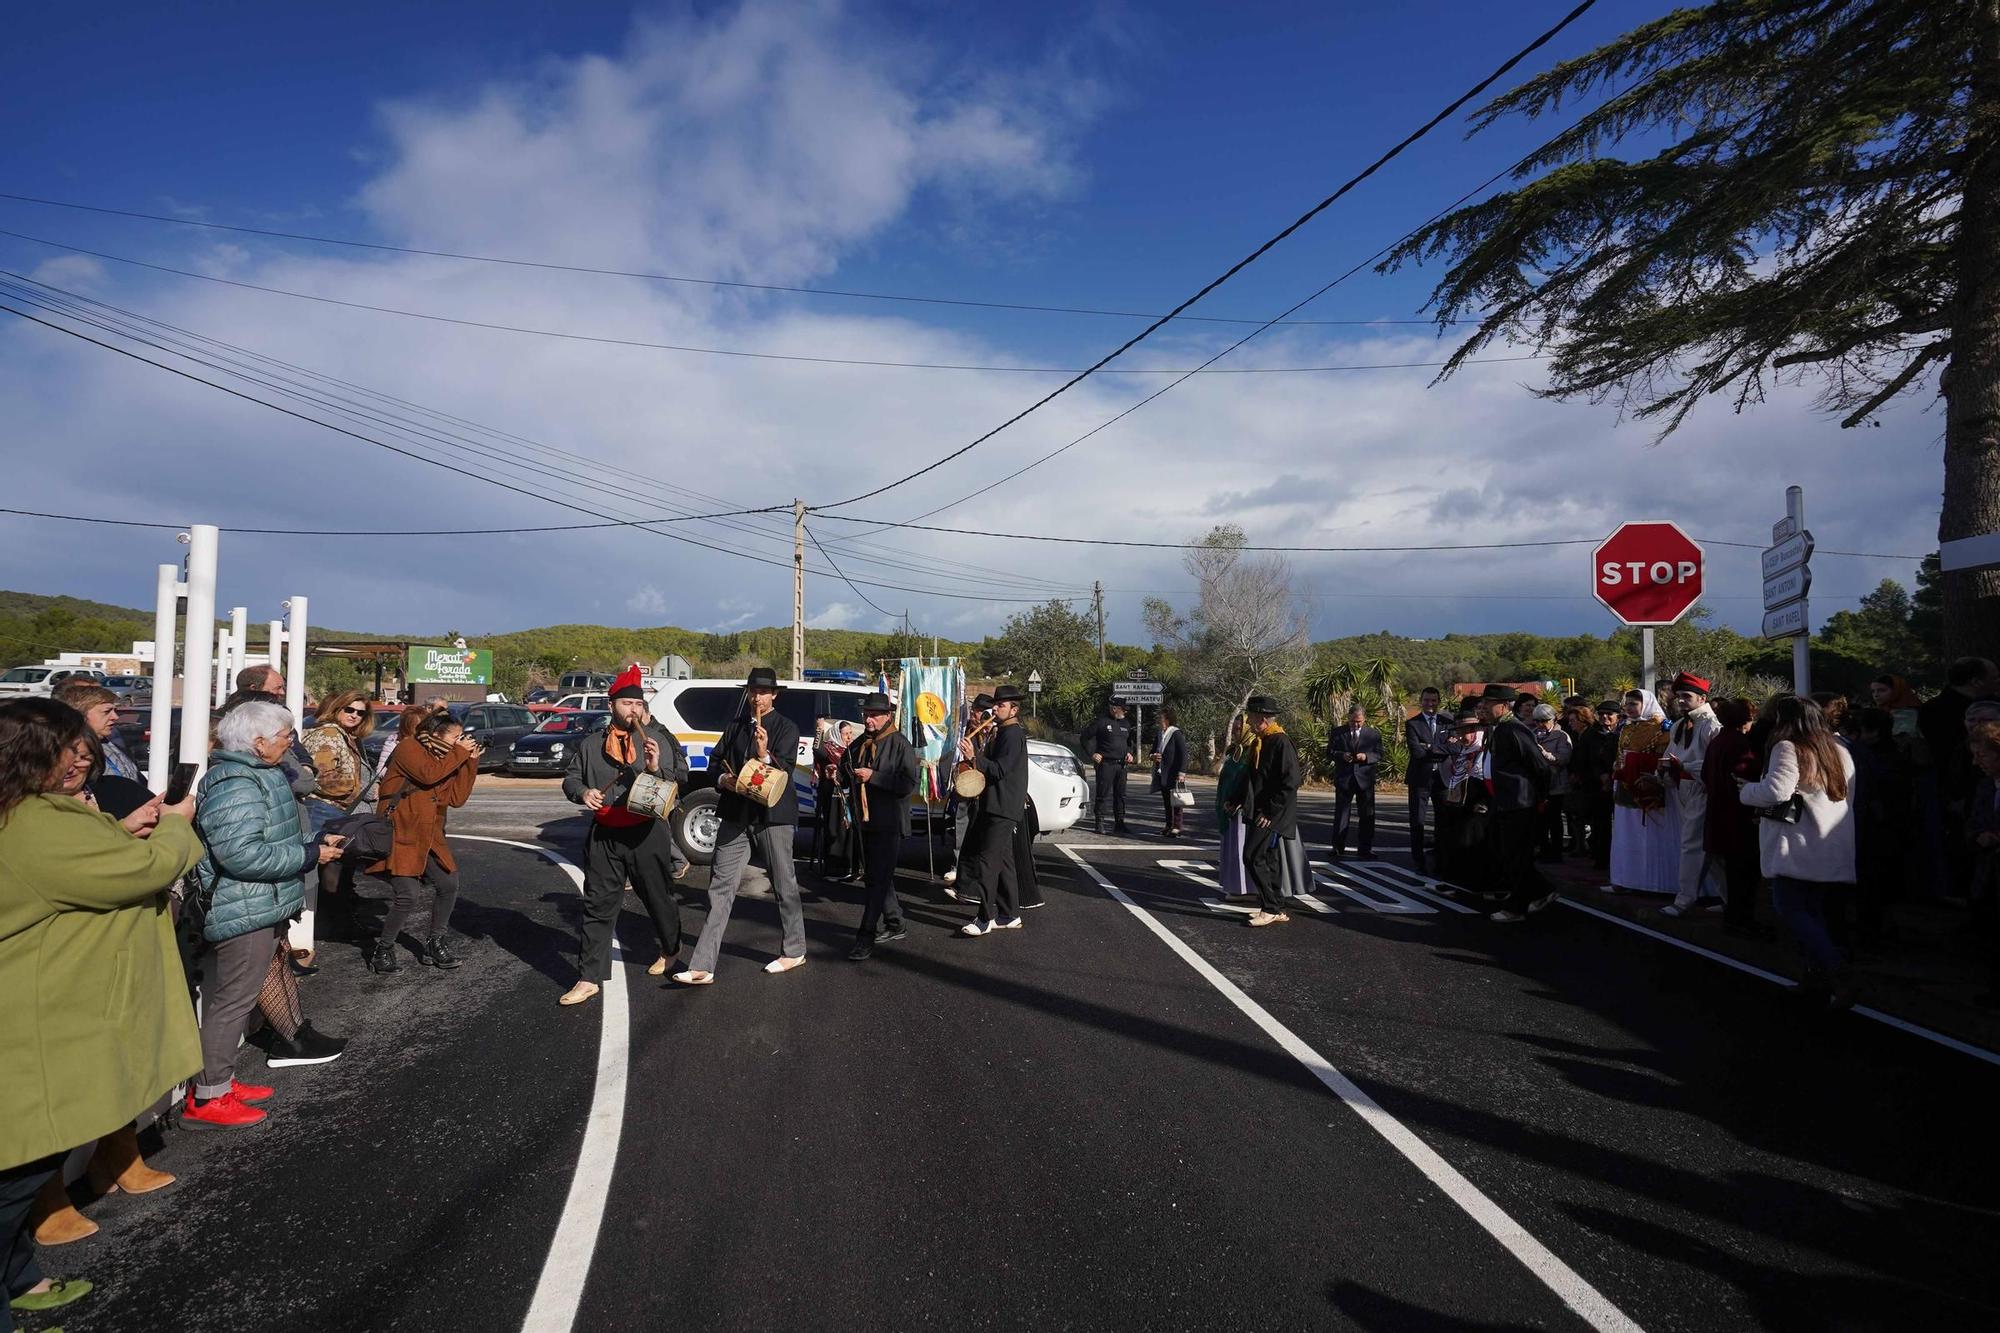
(1783, 528)
(1139, 691)
(1788, 554)
(1787, 587)
(1787, 622)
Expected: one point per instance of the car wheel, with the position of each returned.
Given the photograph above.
(697, 823)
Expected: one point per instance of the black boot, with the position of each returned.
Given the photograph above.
(436, 955)
(384, 957)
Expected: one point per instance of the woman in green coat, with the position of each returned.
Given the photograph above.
(99, 1026)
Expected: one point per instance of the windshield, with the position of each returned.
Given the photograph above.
(27, 675)
(573, 722)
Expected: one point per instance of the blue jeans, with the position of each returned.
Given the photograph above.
(1801, 904)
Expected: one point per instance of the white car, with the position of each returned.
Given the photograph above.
(585, 703)
(1058, 793)
(24, 681)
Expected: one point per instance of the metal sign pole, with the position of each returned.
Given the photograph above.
(1646, 677)
(1795, 510)
(166, 607)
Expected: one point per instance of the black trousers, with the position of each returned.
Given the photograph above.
(1264, 863)
(643, 854)
(1600, 829)
(409, 891)
(1422, 800)
(1510, 842)
(18, 1187)
(1742, 876)
(880, 848)
(1354, 801)
(990, 847)
(1110, 789)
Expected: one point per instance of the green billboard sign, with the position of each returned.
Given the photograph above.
(449, 666)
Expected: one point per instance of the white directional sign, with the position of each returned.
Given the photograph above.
(1139, 691)
(1788, 554)
(1787, 587)
(1787, 621)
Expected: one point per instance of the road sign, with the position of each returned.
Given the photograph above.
(1787, 621)
(1783, 528)
(1139, 691)
(1790, 553)
(1787, 587)
(1034, 682)
(1647, 573)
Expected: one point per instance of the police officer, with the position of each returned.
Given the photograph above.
(1111, 746)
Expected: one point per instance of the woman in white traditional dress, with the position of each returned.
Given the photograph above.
(1645, 824)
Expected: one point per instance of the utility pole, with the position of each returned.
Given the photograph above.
(1097, 606)
(798, 589)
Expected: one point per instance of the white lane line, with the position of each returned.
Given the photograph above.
(1568, 1285)
(1886, 1019)
(559, 1292)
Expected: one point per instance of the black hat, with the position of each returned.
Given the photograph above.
(1116, 703)
(982, 701)
(877, 703)
(1008, 694)
(1263, 704)
(1499, 694)
(1466, 705)
(762, 678)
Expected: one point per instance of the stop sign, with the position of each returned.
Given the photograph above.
(1647, 573)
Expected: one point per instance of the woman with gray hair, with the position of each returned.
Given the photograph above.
(249, 883)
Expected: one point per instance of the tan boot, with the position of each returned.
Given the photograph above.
(117, 1165)
(54, 1220)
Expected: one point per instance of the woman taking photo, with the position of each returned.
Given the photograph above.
(250, 883)
(99, 1026)
(431, 772)
(1805, 839)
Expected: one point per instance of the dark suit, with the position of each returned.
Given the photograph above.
(1424, 737)
(1354, 783)
(1521, 776)
(1273, 795)
(893, 775)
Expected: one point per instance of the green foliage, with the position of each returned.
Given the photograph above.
(1052, 638)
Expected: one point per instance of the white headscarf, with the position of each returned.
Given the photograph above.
(1649, 708)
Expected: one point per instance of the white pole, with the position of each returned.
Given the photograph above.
(1646, 660)
(198, 665)
(225, 653)
(239, 642)
(1795, 509)
(274, 638)
(160, 727)
(295, 662)
(300, 933)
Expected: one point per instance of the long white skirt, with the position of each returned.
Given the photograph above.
(1646, 849)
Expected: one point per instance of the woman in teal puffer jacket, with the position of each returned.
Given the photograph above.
(251, 882)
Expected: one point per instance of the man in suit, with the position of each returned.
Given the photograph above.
(1424, 737)
(1111, 746)
(882, 764)
(759, 732)
(1001, 808)
(1356, 753)
(1520, 786)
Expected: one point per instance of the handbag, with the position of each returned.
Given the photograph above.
(1183, 798)
(369, 836)
(1788, 811)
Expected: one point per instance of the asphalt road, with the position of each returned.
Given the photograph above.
(1075, 1126)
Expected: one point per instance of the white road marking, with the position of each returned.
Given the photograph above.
(1886, 1019)
(1389, 875)
(1568, 1285)
(559, 1292)
(1217, 905)
(1372, 894)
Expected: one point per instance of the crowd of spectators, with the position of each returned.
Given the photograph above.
(1811, 813)
(117, 910)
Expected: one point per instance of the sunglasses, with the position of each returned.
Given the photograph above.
(356, 709)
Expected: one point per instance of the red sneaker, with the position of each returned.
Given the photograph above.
(248, 1092)
(224, 1112)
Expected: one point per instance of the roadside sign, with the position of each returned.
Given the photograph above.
(1787, 587)
(1647, 573)
(1787, 621)
(1139, 691)
(449, 666)
(1783, 528)
(1970, 552)
(1790, 553)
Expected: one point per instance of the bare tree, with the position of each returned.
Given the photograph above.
(1246, 633)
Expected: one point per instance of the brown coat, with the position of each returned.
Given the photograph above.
(432, 785)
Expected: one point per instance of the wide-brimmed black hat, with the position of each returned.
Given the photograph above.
(1263, 705)
(1116, 703)
(1008, 694)
(762, 678)
(1499, 694)
(982, 701)
(877, 703)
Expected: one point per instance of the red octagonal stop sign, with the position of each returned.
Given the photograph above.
(1647, 573)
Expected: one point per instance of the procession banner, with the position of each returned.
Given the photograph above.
(928, 704)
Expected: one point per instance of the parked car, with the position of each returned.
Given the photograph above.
(388, 717)
(598, 702)
(539, 697)
(546, 749)
(495, 726)
(133, 731)
(1058, 791)
(585, 682)
(42, 680)
(130, 689)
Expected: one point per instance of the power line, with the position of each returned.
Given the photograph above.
(733, 352)
(843, 578)
(1239, 265)
(662, 277)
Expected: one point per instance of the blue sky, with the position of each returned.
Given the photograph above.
(1112, 156)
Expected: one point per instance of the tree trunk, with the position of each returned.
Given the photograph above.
(1971, 384)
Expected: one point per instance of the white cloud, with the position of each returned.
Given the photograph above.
(647, 600)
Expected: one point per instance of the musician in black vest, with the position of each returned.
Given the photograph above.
(1001, 808)
(1520, 781)
(1424, 738)
(962, 810)
(881, 770)
(623, 844)
(762, 733)
(1111, 746)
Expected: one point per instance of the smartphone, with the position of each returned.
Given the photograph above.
(180, 783)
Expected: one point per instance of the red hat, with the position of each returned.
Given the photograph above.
(1689, 681)
(629, 684)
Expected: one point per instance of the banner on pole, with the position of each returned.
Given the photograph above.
(930, 699)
